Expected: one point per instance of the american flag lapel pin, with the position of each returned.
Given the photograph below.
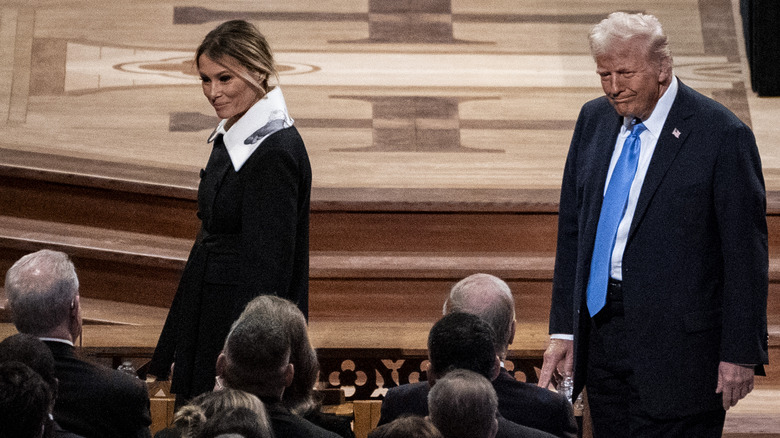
(676, 133)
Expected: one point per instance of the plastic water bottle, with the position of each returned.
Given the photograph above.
(566, 388)
(127, 367)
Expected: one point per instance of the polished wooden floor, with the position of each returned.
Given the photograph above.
(444, 95)
(398, 102)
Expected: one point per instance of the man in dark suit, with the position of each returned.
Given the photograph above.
(93, 401)
(661, 275)
(490, 298)
(457, 341)
(256, 359)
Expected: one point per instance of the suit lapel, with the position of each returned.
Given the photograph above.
(674, 133)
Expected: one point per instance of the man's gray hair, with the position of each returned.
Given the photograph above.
(41, 289)
(488, 297)
(622, 26)
(258, 345)
(463, 404)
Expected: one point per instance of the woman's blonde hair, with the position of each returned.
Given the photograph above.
(243, 42)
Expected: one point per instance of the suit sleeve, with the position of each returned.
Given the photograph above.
(740, 203)
(561, 308)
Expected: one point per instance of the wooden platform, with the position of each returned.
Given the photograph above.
(103, 127)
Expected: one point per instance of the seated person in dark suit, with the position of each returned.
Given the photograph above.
(490, 298)
(300, 397)
(457, 341)
(25, 400)
(409, 426)
(32, 352)
(256, 359)
(92, 400)
(463, 404)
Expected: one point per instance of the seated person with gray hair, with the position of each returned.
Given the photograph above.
(94, 401)
(257, 359)
(463, 404)
(457, 341)
(490, 298)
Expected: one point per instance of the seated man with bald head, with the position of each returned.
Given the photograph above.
(490, 298)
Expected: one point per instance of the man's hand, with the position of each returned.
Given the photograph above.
(558, 362)
(734, 382)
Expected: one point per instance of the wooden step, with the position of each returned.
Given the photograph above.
(162, 202)
(144, 269)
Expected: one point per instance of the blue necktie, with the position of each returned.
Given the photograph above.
(612, 210)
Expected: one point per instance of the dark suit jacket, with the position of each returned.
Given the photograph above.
(59, 432)
(287, 424)
(98, 402)
(695, 264)
(254, 240)
(412, 399)
(532, 406)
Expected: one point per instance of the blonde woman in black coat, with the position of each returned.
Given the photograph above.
(253, 203)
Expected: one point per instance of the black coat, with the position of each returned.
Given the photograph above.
(254, 240)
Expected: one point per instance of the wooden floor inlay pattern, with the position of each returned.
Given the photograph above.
(387, 95)
(404, 106)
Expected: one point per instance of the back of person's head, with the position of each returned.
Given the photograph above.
(235, 423)
(462, 341)
(25, 401)
(191, 418)
(243, 42)
(463, 404)
(490, 298)
(32, 352)
(299, 396)
(410, 426)
(42, 290)
(257, 351)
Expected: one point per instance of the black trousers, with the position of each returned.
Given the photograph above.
(615, 406)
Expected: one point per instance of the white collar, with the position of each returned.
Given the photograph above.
(264, 118)
(64, 341)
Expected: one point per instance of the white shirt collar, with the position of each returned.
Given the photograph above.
(64, 341)
(655, 123)
(264, 118)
